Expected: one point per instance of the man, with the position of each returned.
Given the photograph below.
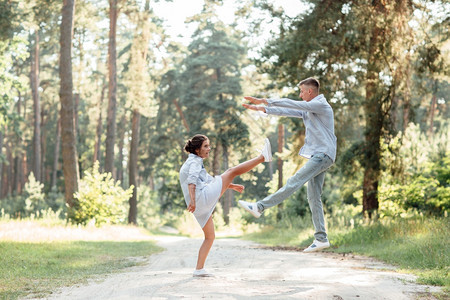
(319, 148)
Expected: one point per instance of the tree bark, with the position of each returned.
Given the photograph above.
(216, 159)
(34, 80)
(1, 162)
(44, 120)
(280, 150)
(7, 183)
(432, 110)
(180, 112)
(121, 133)
(56, 154)
(98, 133)
(69, 150)
(112, 89)
(133, 170)
(18, 174)
(374, 119)
(227, 198)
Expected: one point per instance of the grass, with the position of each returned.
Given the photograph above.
(419, 245)
(38, 267)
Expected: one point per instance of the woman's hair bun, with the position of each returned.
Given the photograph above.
(195, 143)
(188, 146)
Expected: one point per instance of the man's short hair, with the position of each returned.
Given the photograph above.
(312, 82)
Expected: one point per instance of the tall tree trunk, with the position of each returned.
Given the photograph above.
(9, 171)
(216, 159)
(180, 112)
(56, 154)
(280, 165)
(34, 79)
(18, 176)
(227, 198)
(76, 104)
(1, 162)
(374, 119)
(44, 121)
(133, 170)
(98, 133)
(280, 150)
(121, 134)
(432, 109)
(69, 149)
(112, 88)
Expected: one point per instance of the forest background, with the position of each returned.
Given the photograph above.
(97, 102)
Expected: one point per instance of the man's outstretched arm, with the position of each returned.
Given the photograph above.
(255, 100)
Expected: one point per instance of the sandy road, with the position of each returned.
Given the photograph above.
(245, 270)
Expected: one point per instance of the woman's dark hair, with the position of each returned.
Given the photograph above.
(195, 143)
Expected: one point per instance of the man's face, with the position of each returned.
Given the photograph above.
(306, 93)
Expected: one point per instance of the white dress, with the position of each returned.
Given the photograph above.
(207, 187)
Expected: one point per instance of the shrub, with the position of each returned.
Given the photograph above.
(99, 199)
(34, 197)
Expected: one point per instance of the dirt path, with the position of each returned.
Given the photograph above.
(245, 270)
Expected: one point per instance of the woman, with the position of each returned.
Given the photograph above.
(202, 191)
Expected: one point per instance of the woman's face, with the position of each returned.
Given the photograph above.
(204, 150)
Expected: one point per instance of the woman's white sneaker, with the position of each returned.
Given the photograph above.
(202, 273)
(316, 246)
(250, 207)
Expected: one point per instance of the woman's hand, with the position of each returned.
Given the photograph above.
(191, 207)
(237, 187)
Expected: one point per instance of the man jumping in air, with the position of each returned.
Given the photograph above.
(319, 148)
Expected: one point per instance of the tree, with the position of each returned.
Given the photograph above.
(112, 87)
(69, 150)
(34, 81)
(353, 48)
(211, 85)
(140, 91)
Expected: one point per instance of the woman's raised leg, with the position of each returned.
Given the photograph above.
(231, 173)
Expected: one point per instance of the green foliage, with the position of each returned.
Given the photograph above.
(34, 197)
(100, 199)
(416, 244)
(33, 202)
(417, 177)
(11, 51)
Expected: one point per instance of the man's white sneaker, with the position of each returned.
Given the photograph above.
(267, 150)
(316, 246)
(202, 273)
(250, 207)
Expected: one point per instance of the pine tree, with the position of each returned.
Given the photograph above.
(211, 83)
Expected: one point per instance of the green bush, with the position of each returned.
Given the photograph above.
(34, 197)
(99, 199)
(417, 177)
(428, 192)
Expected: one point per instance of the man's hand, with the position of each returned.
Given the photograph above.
(254, 107)
(256, 100)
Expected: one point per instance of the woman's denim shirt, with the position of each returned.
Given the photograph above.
(193, 172)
